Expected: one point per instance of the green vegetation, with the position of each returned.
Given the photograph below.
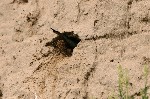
(123, 82)
(144, 92)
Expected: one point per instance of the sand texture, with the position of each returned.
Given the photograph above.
(112, 33)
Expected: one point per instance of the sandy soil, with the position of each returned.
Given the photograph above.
(112, 33)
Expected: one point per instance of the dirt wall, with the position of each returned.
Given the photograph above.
(112, 33)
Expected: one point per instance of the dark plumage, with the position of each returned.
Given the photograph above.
(67, 39)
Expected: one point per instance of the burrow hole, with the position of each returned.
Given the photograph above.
(24, 1)
(20, 1)
(61, 46)
(1, 94)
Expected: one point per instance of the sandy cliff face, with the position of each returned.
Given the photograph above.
(112, 33)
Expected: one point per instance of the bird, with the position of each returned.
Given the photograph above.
(67, 39)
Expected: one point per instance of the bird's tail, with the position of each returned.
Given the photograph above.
(58, 33)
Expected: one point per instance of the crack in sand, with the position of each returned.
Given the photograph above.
(67, 93)
(89, 73)
(113, 36)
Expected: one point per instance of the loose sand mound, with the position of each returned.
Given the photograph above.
(112, 33)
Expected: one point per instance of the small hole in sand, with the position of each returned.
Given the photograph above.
(24, 1)
(1, 94)
(112, 60)
(20, 1)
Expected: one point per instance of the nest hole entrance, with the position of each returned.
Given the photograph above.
(25, 1)
(1, 94)
(64, 43)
